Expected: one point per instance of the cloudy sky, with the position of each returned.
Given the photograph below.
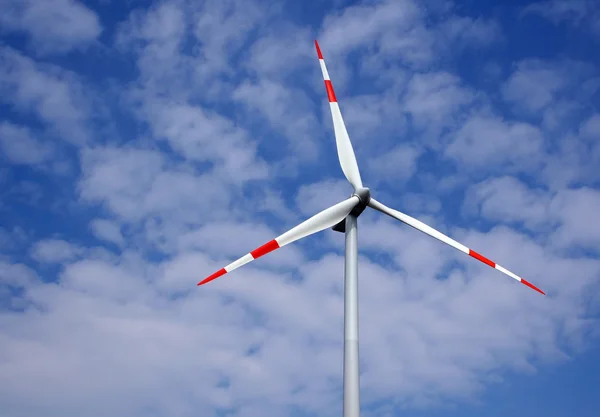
(145, 145)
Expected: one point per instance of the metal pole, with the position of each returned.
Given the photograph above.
(351, 381)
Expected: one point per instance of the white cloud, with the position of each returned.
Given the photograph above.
(577, 210)
(312, 198)
(201, 135)
(204, 75)
(421, 202)
(435, 100)
(55, 251)
(371, 115)
(590, 128)
(103, 280)
(119, 177)
(509, 200)
(557, 91)
(16, 275)
(401, 30)
(12, 238)
(287, 110)
(395, 166)
(566, 217)
(53, 95)
(488, 142)
(155, 36)
(271, 202)
(534, 84)
(287, 50)
(467, 31)
(578, 13)
(164, 198)
(54, 26)
(20, 147)
(158, 36)
(223, 27)
(362, 24)
(574, 161)
(107, 230)
(164, 22)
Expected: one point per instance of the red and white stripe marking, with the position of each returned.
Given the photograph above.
(502, 269)
(328, 85)
(419, 225)
(342, 140)
(320, 221)
(256, 253)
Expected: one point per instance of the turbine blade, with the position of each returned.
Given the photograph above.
(342, 140)
(320, 221)
(411, 221)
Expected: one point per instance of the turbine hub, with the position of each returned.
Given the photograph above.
(364, 195)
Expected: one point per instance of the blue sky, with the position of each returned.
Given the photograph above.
(144, 145)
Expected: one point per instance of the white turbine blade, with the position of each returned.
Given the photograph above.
(411, 221)
(320, 221)
(342, 140)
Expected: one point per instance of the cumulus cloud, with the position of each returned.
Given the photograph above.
(577, 210)
(286, 110)
(485, 143)
(19, 145)
(534, 84)
(107, 230)
(55, 251)
(315, 197)
(565, 216)
(395, 166)
(401, 30)
(590, 128)
(53, 26)
(578, 13)
(16, 275)
(435, 100)
(533, 95)
(119, 178)
(54, 95)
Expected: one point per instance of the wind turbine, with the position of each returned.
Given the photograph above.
(342, 217)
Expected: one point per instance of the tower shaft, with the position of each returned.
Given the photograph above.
(351, 363)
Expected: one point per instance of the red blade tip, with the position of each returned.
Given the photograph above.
(216, 275)
(530, 285)
(320, 55)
